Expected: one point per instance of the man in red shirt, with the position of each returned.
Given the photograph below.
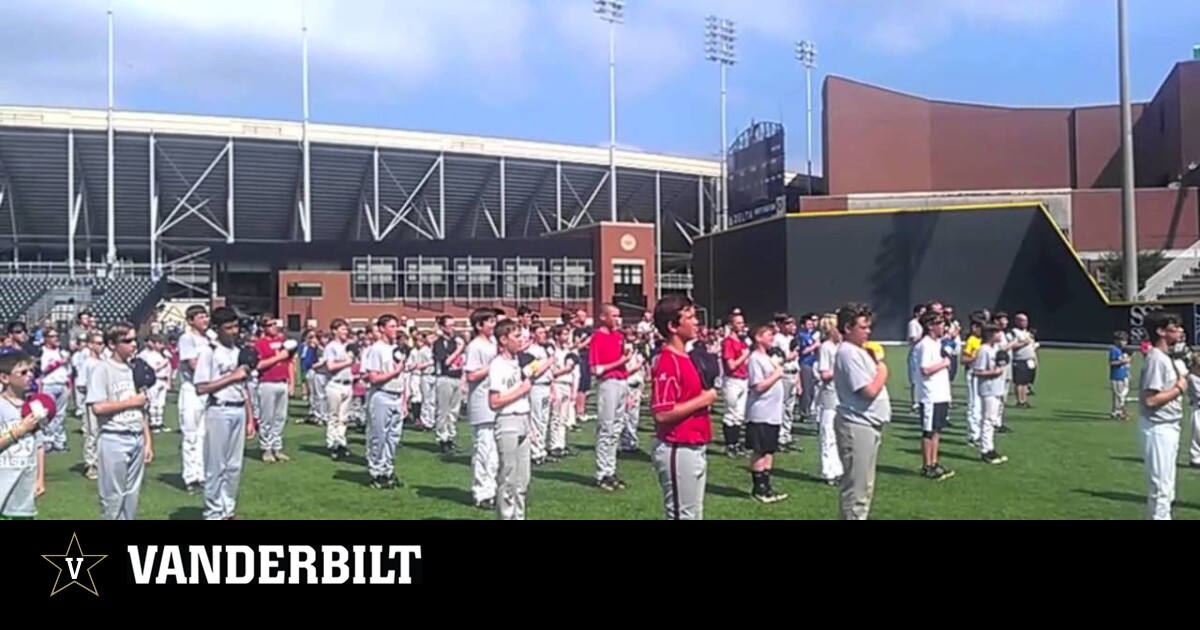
(735, 352)
(275, 387)
(680, 404)
(607, 359)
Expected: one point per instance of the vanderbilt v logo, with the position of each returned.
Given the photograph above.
(77, 565)
(73, 566)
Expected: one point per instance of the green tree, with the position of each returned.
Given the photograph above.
(1111, 273)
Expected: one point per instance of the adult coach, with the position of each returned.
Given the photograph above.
(680, 401)
(607, 360)
(1160, 413)
(864, 408)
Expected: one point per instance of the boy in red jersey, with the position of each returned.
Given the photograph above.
(681, 401)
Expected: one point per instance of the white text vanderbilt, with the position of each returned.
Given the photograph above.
(272, 564)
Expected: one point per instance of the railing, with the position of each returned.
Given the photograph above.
(676, 282)
(1174, 271)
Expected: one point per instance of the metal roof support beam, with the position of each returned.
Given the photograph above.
(588, 205)
(687, 237)
(492, 222)
(372, 211)
(399, 217)
(442, 196)
(503, 198)
(658, 216)
(417, 194)
(173, 218)
(73, 204)
(558, 179)
(699, 204)
(541, 217)
(154, 266)
(229, 204)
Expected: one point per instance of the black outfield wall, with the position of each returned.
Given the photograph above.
(746, 267)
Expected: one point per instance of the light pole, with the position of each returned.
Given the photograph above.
(111, 256)
(306, 215)
(806, 53)
(1128, 197)
(613, 12)
(721, 47)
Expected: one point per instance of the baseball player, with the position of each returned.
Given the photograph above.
(764, 412)
(539, 393)
(508, 386)
(562, 392)
(1160, 412)
(156, 396)
(808, 344)
(315, 379)
(989, 387)
(449, 355)
(484, 459)
(864, 409)
(681, 399)
(607, 359)
(631, 410)
(276, 386)
(784, 340)
(339, 390)
(974, 406)
(192, 345)
(55, 371)
(79, 355)
(933, 394)
(914, 336)
(124, 444)
(221, 380)
(22, 455)
(827, 402)
(1006, 344)
(735, 352)
(384, 370)
(1118, 376)
(1194, 397)
(422, 378)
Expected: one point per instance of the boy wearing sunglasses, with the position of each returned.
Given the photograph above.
(123, 444)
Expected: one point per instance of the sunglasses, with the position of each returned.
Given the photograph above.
(129, 340)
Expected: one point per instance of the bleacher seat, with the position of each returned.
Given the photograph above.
(120, 298)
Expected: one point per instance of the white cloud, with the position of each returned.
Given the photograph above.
(908, 26)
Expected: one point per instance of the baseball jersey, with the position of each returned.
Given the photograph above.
(217, 364)
(159, 363)
(423, 356)
(731, 350)
(504, 377)
(55, 367)
(827, 397)
(608, 347)
(380, 357)
(783, 341)
(935, 388)
(110, 381)
(443, 347)
(674, 380)
(1194, 390)
(805, 339)
(191, 345)
(267, 349)
(985, 360)
(854, 369)
(1159, 375)
(540, 353)
(336, 352)
(480, 353)
(971, 347)
(1117, 372)
(633, 367)
(562, 358)
(18, 467)
(763, 407)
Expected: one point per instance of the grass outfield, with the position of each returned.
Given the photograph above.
(1068, 461)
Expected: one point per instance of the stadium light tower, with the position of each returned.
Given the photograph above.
(111, 256)
(306, 213)
(613, 12)
(806, 53)
(1128, 198)
(721, 47)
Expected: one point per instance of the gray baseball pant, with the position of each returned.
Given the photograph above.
(318, 402)
(449, 401)
(272, 415)
(384, 429)
(56, 431)
(808, 399)
(789, 407)
(539, 420)
(428, 386)
(631, 411)
(858, 447)
(512, 477)
(682, 473)
(122, 468)
(224, 442)
(610, 397)
(91, 430)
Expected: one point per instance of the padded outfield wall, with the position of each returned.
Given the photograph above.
(1010, 258)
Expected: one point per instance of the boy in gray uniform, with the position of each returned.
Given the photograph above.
(21, 455)
(484, 462)
(864, 408)
(339, 388)
(989, 379)
(94, 347)
(221, 383)
(539, 394)
(449, 354)
(193, 345)
(385, 425)
(509, 384)
(1160, 412)
(121, 412)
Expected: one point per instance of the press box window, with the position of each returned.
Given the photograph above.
(305, 290)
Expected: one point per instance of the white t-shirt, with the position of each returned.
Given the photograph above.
(480, 353)
(935, 388)
(504, 377)
(60, 361)
(914, 330)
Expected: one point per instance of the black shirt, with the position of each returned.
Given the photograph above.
(442, 349)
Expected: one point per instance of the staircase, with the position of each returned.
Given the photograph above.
(1186, 287)
(1179, 279)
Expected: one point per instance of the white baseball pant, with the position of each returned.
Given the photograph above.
(1160, 448)
(429, 401)
(992, 406)
(122, 468)
(192, 426)
(539, 420)
(512, 470)
(485, 462)
(974, 410)
(1195, 450)
(338, 396)
(158, 404)
(631, 413)
(562, 408)
(828, 459)
(682, 474)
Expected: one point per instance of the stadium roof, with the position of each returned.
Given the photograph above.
(492, 187)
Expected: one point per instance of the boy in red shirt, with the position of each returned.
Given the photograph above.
(681, 400)
(735, 353)
(606, 359)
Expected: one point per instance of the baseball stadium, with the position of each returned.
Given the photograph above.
(138, 217)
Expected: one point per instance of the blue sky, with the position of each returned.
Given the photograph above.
(537, 69)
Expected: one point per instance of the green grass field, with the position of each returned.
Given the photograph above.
(1068, 460)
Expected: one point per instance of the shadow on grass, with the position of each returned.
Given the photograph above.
(457, 496)
(723, 491)
(896, 470)
(354, 459)
(187, 513)
(356, 477)
(636, 456)
(564, 477)
(1129, 497)
(783, 473)
(1076, 416)
(1127, 459)
(942, 453)
(173, 480)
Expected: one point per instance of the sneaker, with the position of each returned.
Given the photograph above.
(768, 496)
(335, 453)
(91, 473)
(607, 484)
(942, 473)
(1003, 429)
(836, 481)
(993, 458)
(380, 483)
(195, 488)
(281, 457)
(487, 504)
(618, 482)
(973, 443)
(268, 457)
(732, 451)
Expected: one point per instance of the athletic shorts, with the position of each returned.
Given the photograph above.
(762, 438)
(1022, 373)
(585, 375)
(934, 417)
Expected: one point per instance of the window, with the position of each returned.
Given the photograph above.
(293, 322)
(476, 279)
(374, 279)
(630, 275)
(426, 278)
(571, 279)
(305, 290)
(523, 279)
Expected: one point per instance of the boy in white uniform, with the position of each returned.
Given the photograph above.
(508, 387)
(480, 415)
(562, 392)
(933, 394)
(631, 411)
(153, 355)
(1160, 412)
(990, 385)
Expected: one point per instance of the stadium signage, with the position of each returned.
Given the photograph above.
(766, 210)
(272, 564)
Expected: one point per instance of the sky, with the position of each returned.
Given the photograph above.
(538, 69)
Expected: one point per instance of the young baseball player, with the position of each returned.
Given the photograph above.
(562, 392)
(276, 386)
(509, 386)
(827, 401)
(989, 379)
(607, 359)
(153, 355)
(735, 353)
(1118, 374)
(484, 459)
(785, 340)
(221, 381)
(969, 352)
(79, 355)
(1160, 412)
(808, 344)
(764, 412)
(55, 376)
(316, 379)
(539, 393)
(631, 410)
(914, 336)
(449, 356)
(1194, 396)
(383, 367)
(124, 443)
(681, 402)
(864, 409)
(933, 394)
(193, 344)
(339, 389)
(424, 380)
(22, 469)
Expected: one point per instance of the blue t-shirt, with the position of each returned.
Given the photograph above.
(308, 357)
(805, 339)
(1117, 372)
